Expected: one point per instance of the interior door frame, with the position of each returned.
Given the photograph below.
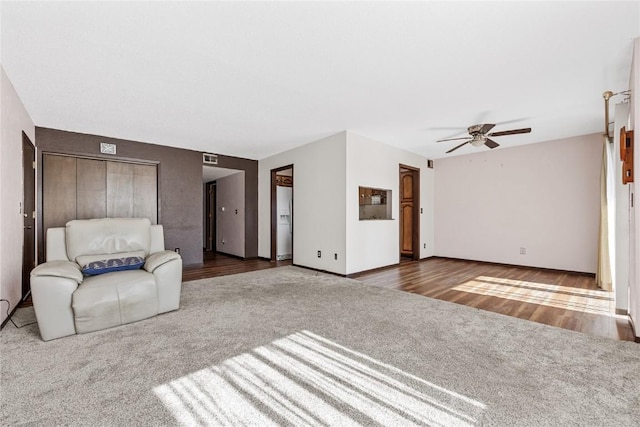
(415, 217)
(274, 211)
(28, 211)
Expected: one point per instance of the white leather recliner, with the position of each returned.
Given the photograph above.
(70, 292)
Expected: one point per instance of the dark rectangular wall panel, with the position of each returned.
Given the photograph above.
(132, 191)
(91, 190)
(145, 190)
(119, 190)
(59, 193)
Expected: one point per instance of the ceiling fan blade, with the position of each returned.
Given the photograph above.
(510, 132)
(454, 139)
(491, 144)
(486, 128)
(455, 148)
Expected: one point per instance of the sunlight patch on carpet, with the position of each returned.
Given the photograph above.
(565, 297)
(307, 380)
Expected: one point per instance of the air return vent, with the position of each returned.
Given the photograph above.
(209, 159)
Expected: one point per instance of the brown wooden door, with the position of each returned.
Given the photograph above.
(28, 211)
(91, 190)
(58, 191)
(79, 188)
(132, 191)
(406, 213)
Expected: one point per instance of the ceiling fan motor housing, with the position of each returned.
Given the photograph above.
(474, 130)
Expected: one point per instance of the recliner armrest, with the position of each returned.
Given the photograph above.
(64, 269)
(157, 259)
(52, 286)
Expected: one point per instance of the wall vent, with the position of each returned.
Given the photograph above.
(209, 159)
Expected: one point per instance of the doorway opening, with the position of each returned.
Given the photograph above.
(28, 212)
(209, 217)
(282, 213)
(409, 212)
(223, 216)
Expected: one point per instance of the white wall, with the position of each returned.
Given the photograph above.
(14, 119)
(373, 244)
(326, 176)
(634, 213)
(543, 197)
(318, 203)
(230, 215)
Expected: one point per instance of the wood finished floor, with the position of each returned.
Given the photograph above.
(438, 278)
(217, 264)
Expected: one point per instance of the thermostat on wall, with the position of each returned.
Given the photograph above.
(106, 148)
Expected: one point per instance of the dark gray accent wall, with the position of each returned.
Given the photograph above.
(179, 185)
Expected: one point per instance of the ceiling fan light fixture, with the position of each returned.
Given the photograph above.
(478, 140)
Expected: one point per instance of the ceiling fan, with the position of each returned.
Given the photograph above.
(479, 136)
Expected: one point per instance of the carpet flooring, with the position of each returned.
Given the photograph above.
(288, 346)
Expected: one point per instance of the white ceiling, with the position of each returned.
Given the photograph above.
(212, 173)
(252, 79)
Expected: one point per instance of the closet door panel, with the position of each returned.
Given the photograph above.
(132, 191)
(145, 192)
(92, 189)
(58, 190)
(119, 190)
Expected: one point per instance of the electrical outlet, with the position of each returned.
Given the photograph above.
(319, 254)
(523, 251)
(424, 246)
(178, 250)
(335, 256)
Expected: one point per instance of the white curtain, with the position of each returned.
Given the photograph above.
(603, 274)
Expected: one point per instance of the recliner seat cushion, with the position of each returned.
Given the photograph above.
(107, 236)
(114, 299)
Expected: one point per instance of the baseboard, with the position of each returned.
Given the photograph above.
(633, 329)
(373, 270)
(320, 271)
